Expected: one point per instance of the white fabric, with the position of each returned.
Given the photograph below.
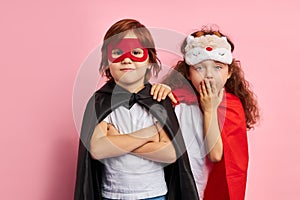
(129, 176)
(207, 47)
(191, 122)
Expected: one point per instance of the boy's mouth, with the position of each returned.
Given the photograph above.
(126, 69)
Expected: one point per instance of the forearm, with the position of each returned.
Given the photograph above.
(120, 144)
(115, 145)
(157, 151)
(213, 140)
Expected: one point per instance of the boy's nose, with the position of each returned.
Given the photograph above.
(126, 60)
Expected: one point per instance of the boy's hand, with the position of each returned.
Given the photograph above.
(161, 91)
(111, 130)
(151, 132)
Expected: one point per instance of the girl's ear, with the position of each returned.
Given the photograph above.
(188, 76)
(229, 75)
(188, 73)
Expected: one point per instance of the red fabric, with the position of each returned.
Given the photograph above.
(228, 177)
(185, 94)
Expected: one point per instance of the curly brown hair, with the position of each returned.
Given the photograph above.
(236, 84)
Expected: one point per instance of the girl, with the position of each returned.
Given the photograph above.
(216, 108)
(137, 139)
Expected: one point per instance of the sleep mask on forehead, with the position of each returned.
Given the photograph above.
(127, 48)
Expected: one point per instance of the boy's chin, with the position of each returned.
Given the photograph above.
(130, 80)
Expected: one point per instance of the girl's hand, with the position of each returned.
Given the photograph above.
(210, 97)
(161, 91)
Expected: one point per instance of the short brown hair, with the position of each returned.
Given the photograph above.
(117, 31)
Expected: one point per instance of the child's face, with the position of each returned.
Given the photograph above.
(209, 69)
(128, 64)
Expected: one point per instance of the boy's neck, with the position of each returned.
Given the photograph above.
(132, 88)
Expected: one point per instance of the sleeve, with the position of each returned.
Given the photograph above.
(179, 177)
(190, 119)
(107, 119)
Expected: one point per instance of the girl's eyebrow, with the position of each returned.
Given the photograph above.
(218, 62)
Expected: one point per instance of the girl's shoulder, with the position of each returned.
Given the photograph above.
(231, 99)
(232, 103)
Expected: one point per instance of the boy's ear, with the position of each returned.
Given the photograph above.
(104, 69)
(149, 66)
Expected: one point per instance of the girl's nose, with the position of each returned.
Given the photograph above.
(209, 74)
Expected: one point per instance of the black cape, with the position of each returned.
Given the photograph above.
(178, 175)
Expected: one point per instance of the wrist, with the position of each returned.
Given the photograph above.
(210, 111)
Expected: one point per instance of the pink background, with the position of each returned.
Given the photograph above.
(43, 44)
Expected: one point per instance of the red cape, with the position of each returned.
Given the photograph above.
(228, 177)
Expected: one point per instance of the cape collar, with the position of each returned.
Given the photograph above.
(122, 97)
(187, 94)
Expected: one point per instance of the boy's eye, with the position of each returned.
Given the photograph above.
(138, 52)
(115, 53)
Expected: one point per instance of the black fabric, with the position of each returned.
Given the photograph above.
(178, 175)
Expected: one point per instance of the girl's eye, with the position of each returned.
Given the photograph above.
(199, 68)
(218, 67)
(116, 53)
(138, 52)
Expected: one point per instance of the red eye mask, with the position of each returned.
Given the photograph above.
(127, 48)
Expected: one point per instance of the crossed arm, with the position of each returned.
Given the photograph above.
(151, 143)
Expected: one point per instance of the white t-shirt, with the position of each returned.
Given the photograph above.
(129, 176)
(190, 118)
